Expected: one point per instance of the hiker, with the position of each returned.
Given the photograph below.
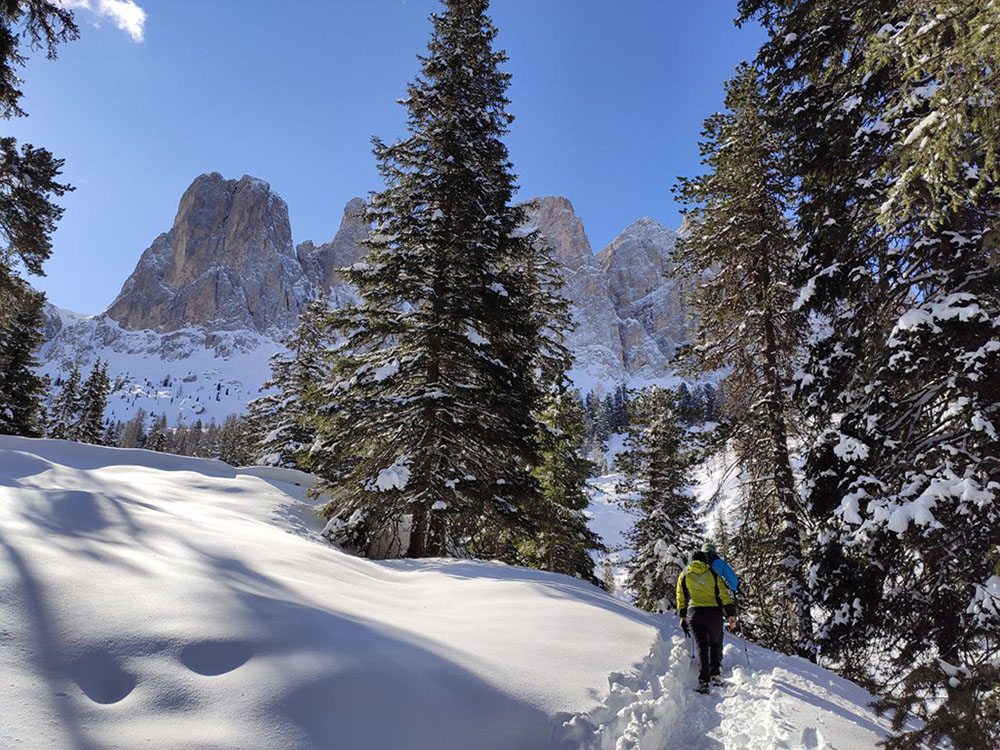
(701, 595)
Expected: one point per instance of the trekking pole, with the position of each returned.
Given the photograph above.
(739, 627)
(691, 638)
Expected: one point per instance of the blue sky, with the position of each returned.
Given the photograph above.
(609, 99)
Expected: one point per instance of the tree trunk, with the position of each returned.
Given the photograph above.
(418, 532)
(784, 483)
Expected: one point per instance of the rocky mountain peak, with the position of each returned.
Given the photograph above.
(228, 263)
(556, 220)
(321, 263)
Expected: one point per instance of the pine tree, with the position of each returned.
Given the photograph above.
(738, 256)
(28, 175)
(283, 418)
(89, 426)
(657, 464)
(65, 410)
(234, 441)
(22, 389)
(437, 375)
(890, 119)
(158, 438)
(563, 542)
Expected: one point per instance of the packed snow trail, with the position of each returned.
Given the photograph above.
(779, 702)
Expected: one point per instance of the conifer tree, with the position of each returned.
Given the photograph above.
(889, 114)
(563, 542)
(438, 372)
(657, 464)
(158, 438)
(89, 427)
(738, 256)
(28, 175)
(65, 410)
(22, 389)
(283, 418)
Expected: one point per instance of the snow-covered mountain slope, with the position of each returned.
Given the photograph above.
(148, 600)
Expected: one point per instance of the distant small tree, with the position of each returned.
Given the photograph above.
(65, 410)
(89, 426)
(134, 434)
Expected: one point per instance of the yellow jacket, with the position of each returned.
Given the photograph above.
(698, 586)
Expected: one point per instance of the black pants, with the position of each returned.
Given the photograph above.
(706, 626)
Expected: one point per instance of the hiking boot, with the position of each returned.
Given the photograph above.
(702, 687)
(717, 680)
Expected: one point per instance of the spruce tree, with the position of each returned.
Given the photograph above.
(65, 411)
(657, 464)
(22, 389)
(89, 427)
(283, 418)
(437, 376)
(738, 256)
(890, 119)
(563, 542)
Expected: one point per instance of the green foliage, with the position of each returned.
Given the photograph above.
(562, 542)
(284, 417)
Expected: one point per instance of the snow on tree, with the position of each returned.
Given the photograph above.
(89, 425)
(438, 373)
(890, 119)
(737, 259)
(657, 463)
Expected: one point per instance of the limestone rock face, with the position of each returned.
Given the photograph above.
(321, 263)
(596, 341)
(227, 263)
(639, 272)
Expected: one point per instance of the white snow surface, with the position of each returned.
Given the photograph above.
(150, 600)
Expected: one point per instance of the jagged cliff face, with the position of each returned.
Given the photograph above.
(642, 284)
(227, 263)
(628, 311)
(596, 339)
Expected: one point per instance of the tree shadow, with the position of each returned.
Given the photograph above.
(825, 705)
(48, 663)
(372, 685)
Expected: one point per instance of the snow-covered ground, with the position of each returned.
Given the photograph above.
(148, 600)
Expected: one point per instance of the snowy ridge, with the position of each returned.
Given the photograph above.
(156, 600)
(186, 375)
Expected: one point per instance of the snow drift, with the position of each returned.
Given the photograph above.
(148, 600)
